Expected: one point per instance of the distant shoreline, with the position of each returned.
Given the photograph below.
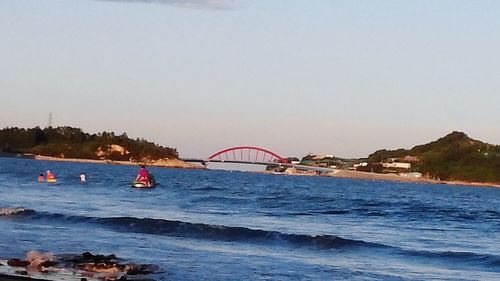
(165, 163)
(397, 178)
(368, 176)
(177, 163)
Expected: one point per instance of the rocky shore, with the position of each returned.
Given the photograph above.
(73, 267)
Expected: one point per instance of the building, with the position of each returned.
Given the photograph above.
(397, 165)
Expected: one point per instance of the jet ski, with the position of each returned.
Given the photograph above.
(142, 184)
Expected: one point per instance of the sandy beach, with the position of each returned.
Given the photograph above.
(166, 163)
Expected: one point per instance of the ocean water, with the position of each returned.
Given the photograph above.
(221, 225)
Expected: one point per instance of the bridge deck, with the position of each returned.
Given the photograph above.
(299, 167)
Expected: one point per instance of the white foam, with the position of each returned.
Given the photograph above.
(11, 211)
(36, 258)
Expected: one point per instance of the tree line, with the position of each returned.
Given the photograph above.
(70, 142)
(453, 157)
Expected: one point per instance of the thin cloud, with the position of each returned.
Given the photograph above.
(191, 4)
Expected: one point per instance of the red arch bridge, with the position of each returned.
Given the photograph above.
(242, 155)
(251, 155)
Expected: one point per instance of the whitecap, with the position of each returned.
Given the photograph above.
(11, 211)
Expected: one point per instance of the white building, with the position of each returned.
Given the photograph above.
(397, 165)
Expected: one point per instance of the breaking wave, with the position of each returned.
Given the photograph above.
(493, 261)
(203, 231)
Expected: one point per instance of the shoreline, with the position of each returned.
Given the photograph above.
(396, 178)
(163, 163)
(177, 163)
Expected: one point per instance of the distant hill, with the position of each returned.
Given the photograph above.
(69, 142)
(453, 157)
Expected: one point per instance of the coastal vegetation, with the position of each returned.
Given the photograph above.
(69, 142)
(455, 157)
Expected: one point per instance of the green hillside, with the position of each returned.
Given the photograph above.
(69, 142)
(453, 157)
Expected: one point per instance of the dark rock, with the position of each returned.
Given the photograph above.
(88, 257)
(140, 269)
(90, 264)
(48, 263)
(18, 263)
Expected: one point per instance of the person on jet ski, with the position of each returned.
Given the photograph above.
(143, 175)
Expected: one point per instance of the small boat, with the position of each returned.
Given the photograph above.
(141, 184)
(51, 180)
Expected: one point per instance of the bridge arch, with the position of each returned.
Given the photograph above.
(248, 154)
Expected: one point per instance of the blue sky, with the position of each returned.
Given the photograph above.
(295, 77)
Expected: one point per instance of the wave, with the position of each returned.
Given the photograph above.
(313, 213)
(183, 229)
(333, 212)
(204, 231)
(208, 188)
(445, 213)
(492, 261)
(225, 233)
(15, 211)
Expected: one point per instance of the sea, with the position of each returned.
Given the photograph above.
(230, 225)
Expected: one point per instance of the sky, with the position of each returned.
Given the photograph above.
(293, 76)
